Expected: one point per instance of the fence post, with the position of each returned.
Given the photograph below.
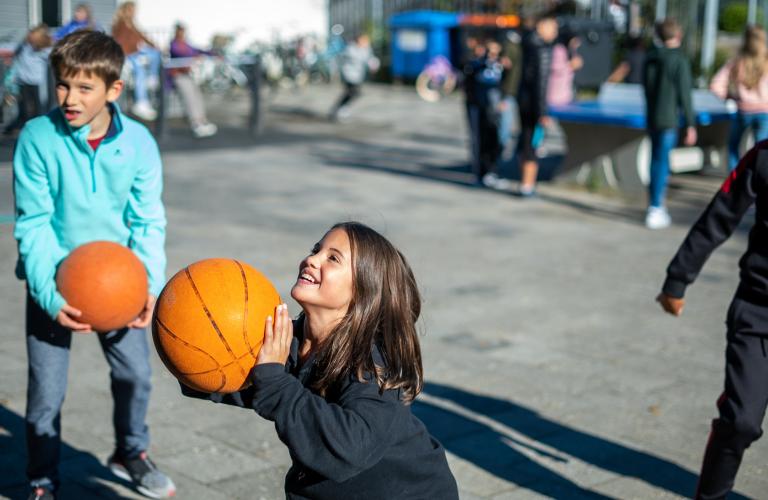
(254, 86)
(162, 102)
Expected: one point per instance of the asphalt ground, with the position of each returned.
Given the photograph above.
(550, 371)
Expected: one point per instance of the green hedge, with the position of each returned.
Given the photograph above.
(733, 17)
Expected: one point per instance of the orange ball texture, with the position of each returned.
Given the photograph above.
(209, 323)
(106, 282)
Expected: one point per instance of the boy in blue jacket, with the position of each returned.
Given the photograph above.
(86, 172)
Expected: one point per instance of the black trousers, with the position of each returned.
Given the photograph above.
(742, 405)
(351, 92)
(490, 148)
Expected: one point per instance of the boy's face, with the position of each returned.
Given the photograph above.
(83, 98)
(547, 29)
(81, 15)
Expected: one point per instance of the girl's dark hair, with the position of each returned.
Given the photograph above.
(383, 312)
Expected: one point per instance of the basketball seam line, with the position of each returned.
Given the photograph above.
(221, 367)
(218, 365)
(213, 322)
(245, 308)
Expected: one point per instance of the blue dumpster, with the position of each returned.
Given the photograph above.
(419, 36)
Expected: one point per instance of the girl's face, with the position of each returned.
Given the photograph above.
(325, 275)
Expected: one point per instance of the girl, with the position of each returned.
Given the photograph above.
(30, 76)
(745, 80)
(139, 51)
(337, 381)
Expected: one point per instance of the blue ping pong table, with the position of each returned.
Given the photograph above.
(610, 133)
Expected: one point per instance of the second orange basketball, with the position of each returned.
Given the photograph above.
(209, 323)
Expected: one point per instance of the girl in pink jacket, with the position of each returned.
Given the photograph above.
(744, 80)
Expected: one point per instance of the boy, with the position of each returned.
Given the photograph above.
(486, 73)
(85, 172)
(742, 405)
(532, 98)
(667, 84)
(356, 61)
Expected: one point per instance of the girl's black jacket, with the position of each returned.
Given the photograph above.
(747, 184)
(353, 443)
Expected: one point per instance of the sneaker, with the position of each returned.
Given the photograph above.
(152, 83)
(143, 473)
(489, 180)
(343, 113)
(42, 492)
(204, 130)
(144, 110)
(493, 181)
(525, 192)
(657, 218)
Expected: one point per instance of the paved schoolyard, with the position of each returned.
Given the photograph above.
(550, 371)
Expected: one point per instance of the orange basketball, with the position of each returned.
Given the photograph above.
(106, 281)
(209, 323)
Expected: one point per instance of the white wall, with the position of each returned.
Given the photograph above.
(250, 20)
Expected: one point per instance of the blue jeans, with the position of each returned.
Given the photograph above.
(141, 72)
(48, 343)
(758, 122)
(662, 142)
(505, 121)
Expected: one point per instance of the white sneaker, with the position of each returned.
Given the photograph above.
(343, 113)
(204, 130)
(490, 180)
(144, 110)
(657, 218)
(152, 82)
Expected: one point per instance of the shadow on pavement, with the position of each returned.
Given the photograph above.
(82, 474)
(475, 432)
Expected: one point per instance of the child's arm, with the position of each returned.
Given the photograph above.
(38, 245)
(145, 217)
(719, 83)
(717, 222)
(337, 441)
(685, 87)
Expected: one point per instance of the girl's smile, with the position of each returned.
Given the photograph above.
(324, 281)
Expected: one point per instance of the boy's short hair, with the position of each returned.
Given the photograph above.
(91, 52)
(668, 29)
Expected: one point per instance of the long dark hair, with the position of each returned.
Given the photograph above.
(383, 312)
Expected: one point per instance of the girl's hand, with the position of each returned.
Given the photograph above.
(278, 334)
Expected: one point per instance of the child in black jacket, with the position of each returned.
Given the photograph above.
(338, 391)
(742, 405)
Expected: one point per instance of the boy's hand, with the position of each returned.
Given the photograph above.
(690, 136)
(145, 316)
(278, 333)
(672, 305)
(67, 318)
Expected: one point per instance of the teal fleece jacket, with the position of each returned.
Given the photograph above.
(67, 194)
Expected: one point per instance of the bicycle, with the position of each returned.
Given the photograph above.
(436, 80)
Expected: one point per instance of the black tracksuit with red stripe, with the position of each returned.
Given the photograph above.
(743, 403)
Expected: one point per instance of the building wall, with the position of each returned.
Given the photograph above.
(14, 20)
(16, 16)
(247, 21)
